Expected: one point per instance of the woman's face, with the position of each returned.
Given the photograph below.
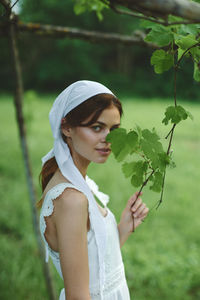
(89, 143)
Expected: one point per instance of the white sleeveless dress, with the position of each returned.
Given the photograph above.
(115, 287)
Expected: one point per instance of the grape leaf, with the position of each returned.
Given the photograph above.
(190, 28)
(195, 53)
(117, 138)
(164, 160)
(137, 168)
(175, 114)
(185, 42)
(157, 182)
(122, 143)
(140, 168)
(132, 139)
(136, 180)
(128, 168)
(151, 147)
(148, 24)
(162, 61)
(180, 53)
(160, 35)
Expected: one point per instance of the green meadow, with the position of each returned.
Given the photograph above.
(162, 257)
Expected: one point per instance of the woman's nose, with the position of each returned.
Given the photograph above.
(105, 133)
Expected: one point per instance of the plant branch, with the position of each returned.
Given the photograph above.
(170, 140)
(136, 38)
(135, 15)
(162, 190)
(141, 188)
(189, 10)
(155, 20)
(188, 49)
(14, 3)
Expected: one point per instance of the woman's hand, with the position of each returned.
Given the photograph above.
(132, 216)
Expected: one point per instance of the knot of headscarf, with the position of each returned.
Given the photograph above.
(71, 97)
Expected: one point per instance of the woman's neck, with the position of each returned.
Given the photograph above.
(81, 163)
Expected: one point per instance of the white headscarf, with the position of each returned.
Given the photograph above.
(71, 97)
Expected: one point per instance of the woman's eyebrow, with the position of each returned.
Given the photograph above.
(103, 124)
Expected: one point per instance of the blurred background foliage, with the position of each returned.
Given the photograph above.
(50, 64)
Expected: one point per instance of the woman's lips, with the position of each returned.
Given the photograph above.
(104, 151)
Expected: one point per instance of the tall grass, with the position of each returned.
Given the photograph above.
(162, 258)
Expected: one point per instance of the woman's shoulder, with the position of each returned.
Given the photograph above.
(59, 188)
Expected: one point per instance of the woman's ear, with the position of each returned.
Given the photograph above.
(66, 131)
(65, 128)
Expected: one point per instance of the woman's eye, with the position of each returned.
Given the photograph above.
(96, 128)
(113, 128)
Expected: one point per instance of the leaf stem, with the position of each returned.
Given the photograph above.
(171, 136)
(162, 191)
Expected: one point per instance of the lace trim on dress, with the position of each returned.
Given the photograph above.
(113, 281)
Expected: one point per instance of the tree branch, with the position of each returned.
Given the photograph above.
(6, 4)
(137, 38)
(188, 10)
(149, 18)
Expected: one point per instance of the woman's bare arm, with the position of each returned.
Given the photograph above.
(71, 215)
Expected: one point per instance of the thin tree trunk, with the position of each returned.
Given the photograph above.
(18, 98)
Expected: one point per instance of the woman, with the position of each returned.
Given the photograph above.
(81, 236)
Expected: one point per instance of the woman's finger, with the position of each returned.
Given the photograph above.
(134, 198)
(143, 213)
(137, 203)
(139, 210)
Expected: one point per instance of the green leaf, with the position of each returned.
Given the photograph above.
(136, 180)
(132, 139)
(160, 35)
(164, 160)
(151, 147)
(190, 28)
(157, 182)
(196, 74)
(148, 24)
(190, 115)
(117, 138)
(162, 61)
(180, 53)
(175, 114)
(195, 52)
(139, 132)
(128, 169)
(185, 42)
(79, 8)
(137, 170)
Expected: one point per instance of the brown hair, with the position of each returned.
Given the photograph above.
(92, 107)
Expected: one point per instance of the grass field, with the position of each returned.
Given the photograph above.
(162, 258)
